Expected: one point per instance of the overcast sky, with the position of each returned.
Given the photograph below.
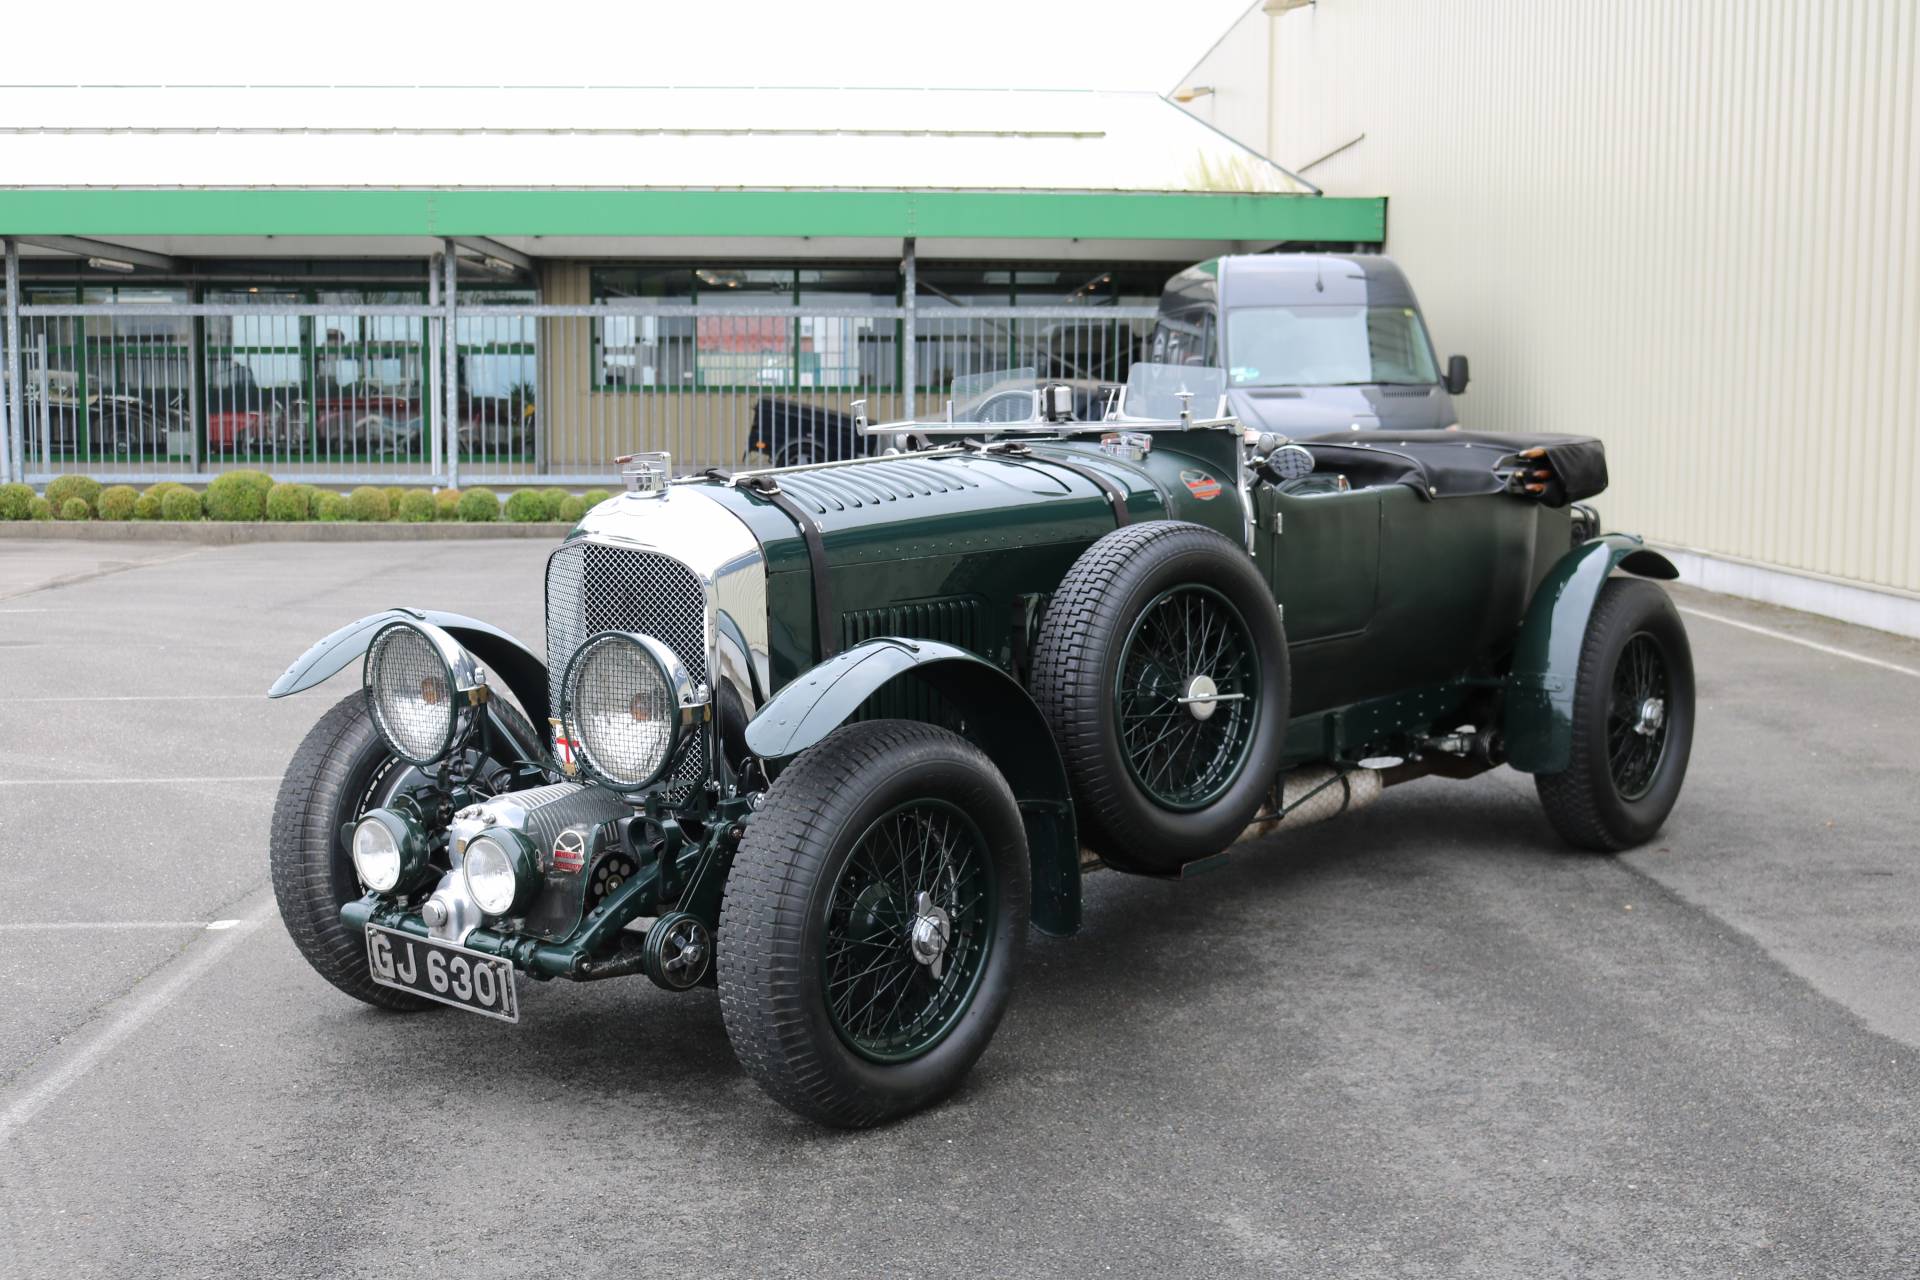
(1113, 44)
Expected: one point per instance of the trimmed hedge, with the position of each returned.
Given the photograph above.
(416, 507)
(330, 507)
(572, 509)
(117, 502)
(479, 506)
(180, 503)
(74, 509)
(39, 509)
(550, 500)
(239, 495)
(394, 493)
(446, 504)
(290, 502)
(526, 507)
(368, 504)
(15, 499)
(65, 488)
(594, 497)
(147, 507)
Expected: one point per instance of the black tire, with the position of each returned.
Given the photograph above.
(781, 909)
(1620, 785)
(341, 769)
(1076, 671)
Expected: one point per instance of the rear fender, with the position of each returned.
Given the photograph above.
(525, 674)
(1546, 658)
(999, 716)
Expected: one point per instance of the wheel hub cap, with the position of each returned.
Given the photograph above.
(1199, 697)
(1653, 714)
(929, 933)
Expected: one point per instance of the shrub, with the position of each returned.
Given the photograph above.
(147, 507)
(526, 507)
(594, 497)
(14, 501)
(74, 509)
(163, 488)
(394, 493)
(446, 504)
(39, 509)
(65, 488)
(330, 506)
(572, 509)
(290, 502)
(478, 506)
(550, 500)
(180, 504)
(117, 503)
(368, 503)
(416, 506)
(239, 495)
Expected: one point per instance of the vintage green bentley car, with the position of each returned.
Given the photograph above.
(829, 737)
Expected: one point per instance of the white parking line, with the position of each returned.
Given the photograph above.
(1801, 641)
(146, 697)
(108, 926)
(84, 1051)
(128, 782)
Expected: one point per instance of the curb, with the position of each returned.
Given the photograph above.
(222, 534)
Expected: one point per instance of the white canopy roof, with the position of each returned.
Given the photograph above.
(664, 137)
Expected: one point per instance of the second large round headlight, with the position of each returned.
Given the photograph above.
(415, 695)
(625, 695)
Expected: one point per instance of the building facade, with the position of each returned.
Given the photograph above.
(1691, 229)
(521, 284)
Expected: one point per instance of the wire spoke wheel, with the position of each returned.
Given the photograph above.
(909, 924)
(1188, 694)
(1637, 716)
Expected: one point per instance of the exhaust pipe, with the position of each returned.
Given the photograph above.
(1308, 795)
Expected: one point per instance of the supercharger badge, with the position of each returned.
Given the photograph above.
(1127, 446)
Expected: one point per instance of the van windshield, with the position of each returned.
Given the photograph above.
(1328, 346)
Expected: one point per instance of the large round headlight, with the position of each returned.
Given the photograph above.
(501, 870)
(418, 682)
(625, 698)
(388, 849)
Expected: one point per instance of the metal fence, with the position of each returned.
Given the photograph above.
(371, 393)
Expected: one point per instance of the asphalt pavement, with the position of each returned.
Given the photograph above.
(1424, 1040)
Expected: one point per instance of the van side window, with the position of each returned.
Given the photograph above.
(1185, 338)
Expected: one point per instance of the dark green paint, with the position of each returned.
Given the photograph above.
(1546, 655)
(995, 712)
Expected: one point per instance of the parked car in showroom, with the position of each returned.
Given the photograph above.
(829, 737)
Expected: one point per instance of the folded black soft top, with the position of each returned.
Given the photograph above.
(1460, 464)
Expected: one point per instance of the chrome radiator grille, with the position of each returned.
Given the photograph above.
(593, 588)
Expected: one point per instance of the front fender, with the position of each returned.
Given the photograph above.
(1546, 658)
(997, 714)
(524, 673)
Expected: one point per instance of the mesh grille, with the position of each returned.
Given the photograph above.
(593, 588)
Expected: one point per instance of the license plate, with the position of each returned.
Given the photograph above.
(444, 972)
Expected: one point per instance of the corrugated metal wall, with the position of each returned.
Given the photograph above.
(1692, 228)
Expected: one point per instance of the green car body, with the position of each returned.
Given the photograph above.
(1429, 627)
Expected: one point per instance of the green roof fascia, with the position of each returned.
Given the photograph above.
(125, 211)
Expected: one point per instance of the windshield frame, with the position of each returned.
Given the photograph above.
(1233, 326)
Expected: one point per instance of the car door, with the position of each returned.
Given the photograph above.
(1321, 555)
